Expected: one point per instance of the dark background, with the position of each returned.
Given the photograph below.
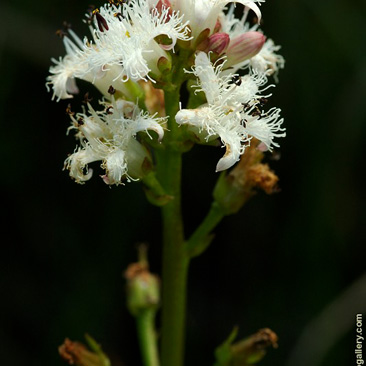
(293, 262)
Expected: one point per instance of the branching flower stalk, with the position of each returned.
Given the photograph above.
(141, 55)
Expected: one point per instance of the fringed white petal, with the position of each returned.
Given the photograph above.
(116, 166)
(266, 127)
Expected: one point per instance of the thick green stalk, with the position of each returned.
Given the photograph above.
(147, 337)
(175, 259)
(175, 268)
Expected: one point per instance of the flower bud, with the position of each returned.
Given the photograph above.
(217, 43)
(164, 4)
(76, 353)
(244, 47)
(246, 352)
(142, 286)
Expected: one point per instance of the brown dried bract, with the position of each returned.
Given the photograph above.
(251, 173)
(135, 269)
(71, 351)
(264, 338)
(251, 157)
(75, 353)
(261, 176)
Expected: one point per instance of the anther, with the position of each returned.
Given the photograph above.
(60, 33)
(111, 90)
(102, 23)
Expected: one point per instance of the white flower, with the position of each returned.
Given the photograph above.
(130, 41)
(63, 73)
(203, 14)
(76, 65)
(232, 111)
(110, 136)
(123, 48)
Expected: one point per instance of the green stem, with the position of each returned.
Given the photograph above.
(147, 337)
(202, 237)
(175, 259)
(175, 270)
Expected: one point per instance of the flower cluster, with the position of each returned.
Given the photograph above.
(110, 136)
(137, 47)
(231, 111)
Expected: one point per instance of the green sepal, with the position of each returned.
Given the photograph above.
(155, 193)
(202, 37)
(94, 346)
(135, 93)
(223, 353)
(195, 99)
(164, 65)
(229, 196)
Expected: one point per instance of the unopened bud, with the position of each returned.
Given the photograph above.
(217, 42)
(244, 47)
(252, 349)
(75, 353)
(162, 5)
(142, 286)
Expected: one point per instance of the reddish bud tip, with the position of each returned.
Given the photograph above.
(164, 4)
(244, 47)
(217, 42)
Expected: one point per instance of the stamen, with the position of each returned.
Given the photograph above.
(102, 23)
(236, 79)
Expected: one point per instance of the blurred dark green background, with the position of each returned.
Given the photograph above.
(292, 262)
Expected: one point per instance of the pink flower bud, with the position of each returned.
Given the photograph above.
(164, 4)
(244, 47)
(217, 43)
